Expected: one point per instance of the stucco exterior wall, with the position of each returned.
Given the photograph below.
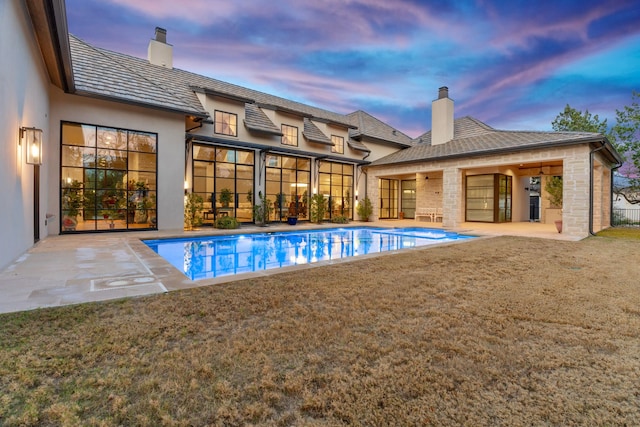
(575, 172)
(24, 102)
(171, 148)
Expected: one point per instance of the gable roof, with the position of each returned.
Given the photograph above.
(368, 126)
(474, 138)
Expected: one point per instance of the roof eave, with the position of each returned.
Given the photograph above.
(262, 130)
(506, 150)
(50, 25)
(225, 95)
(317, 140)
(375, 139)
(88, 94)
(304, 115)
(271, 148)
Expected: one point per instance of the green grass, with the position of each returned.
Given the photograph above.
(621, 232)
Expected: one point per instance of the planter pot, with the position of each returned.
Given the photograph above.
(69, 223)
(558, 226)
(292, 220)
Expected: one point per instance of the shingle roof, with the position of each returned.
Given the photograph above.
(257, 120)
(369, 126)
(116, 76)
(357, 145)
(473, 138)
(313, 134)
(104, 73)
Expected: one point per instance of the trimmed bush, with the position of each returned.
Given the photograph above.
(340, 219)
(228, 222)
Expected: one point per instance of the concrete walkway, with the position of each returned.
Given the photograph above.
(73, 269)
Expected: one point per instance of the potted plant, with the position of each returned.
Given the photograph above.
(225, 197)
(292, 214)
(72, 200)
(554, 189)
(364, 209)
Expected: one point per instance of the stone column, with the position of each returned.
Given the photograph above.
(452, 197)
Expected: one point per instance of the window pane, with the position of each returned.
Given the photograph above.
(145, 142)
(142, 161)
(73, 155)
(112, 139)
(203, 153)
(112, 159)
(224, 170)
(304, 164)
(244, 172)
(288, 162)
(273, 161)
(76, 134)
(225, 155)
(273, 174)
(245, 157)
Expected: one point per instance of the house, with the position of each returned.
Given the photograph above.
(472, 172)
(100, 141)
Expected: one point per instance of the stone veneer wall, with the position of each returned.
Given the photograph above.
(575, 174)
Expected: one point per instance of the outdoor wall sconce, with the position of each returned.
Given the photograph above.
(32, 141)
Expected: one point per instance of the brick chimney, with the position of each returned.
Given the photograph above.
(442, 118)
(159, 52)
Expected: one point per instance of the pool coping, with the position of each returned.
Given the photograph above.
(79, 268)
(160, 268)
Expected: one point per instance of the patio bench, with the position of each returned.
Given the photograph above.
(426, 213)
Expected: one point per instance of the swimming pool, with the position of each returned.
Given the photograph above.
(216, 256)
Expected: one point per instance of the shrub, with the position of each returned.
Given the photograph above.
(228, 222)
(262, 210)
(364, 209)
(318, 207)
(554, 188)
(193, 211)
(340, 219)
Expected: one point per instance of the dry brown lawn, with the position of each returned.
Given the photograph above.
(501, 331)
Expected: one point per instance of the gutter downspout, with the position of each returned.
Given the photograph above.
(591, 186)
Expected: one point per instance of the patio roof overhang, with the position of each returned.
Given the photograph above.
(271, 149)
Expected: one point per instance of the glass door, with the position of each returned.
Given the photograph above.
(388, 190)
(408, 201)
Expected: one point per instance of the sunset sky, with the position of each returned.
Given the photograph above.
(511, 64)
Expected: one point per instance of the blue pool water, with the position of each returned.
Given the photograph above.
(215, 256)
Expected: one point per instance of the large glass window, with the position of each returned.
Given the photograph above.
(288, 181)
(336, 183)
(338, 144)
(108, 178)
(289, 135)
(223, 177)
(489, 198)
(226, 123)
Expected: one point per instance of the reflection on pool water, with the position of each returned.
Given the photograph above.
(215, 256)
